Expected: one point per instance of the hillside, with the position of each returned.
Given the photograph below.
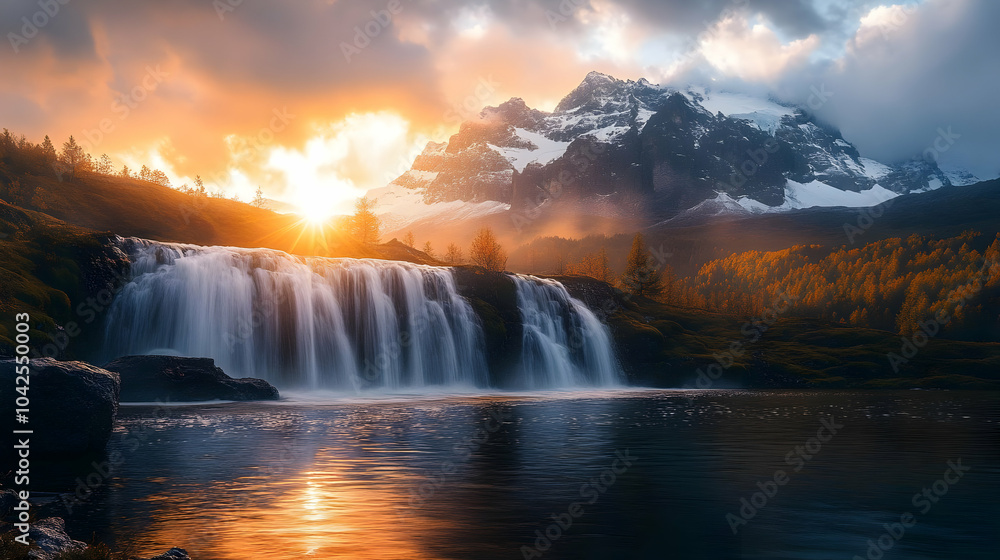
(134, 208)
(686, 245)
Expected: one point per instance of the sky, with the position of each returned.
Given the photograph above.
(317, 101)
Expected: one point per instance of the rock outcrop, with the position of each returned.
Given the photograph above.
(173, 379)
(71, 406)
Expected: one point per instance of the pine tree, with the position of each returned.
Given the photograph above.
(49, 150)
(258, 199)
(160, 178)
(125, 172)
(365, 225)
(74, 157)
(409, 240)
(641, 277)
(199, 186)
(429, 249)
(104, 165)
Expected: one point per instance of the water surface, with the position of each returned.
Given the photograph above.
(477, 476)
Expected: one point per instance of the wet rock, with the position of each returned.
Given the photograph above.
(72, 407)
(50, 536)
(177, 379)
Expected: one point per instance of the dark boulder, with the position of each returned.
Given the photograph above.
(172, 554)
(49, 535)
(71, 406)
(172, 378)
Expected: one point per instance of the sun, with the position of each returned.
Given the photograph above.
(316, 203)
(314, 213)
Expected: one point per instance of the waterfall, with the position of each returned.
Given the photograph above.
(340, 324)
(564, 344)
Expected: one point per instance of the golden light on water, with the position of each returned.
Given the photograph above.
(312, 514)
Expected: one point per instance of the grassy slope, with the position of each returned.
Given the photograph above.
(666, 346)
(48, 267)
(130, 208)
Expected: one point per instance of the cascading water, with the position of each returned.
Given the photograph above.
(341, 324)
(564, 343)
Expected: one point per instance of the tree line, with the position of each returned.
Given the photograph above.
(19, 156)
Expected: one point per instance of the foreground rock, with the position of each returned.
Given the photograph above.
(172, 554)
(49, 535)
(72, 406)
(173, 379)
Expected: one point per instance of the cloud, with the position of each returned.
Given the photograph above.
(898, 73)
(909, 72)
(753, 52)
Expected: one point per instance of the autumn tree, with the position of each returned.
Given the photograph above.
(409, 240)
(487, 252)
(429, 249)
(365, 225)
(596, 266)
(125, 172)
(145, 174)
(454, 254)
(641, 277)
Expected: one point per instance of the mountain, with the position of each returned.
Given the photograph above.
(637, 151)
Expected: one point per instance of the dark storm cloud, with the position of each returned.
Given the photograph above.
(935, 68)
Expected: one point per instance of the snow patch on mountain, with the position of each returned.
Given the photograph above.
(399, 207)
(875, 170)
(815, 193)
(959, 177)
(764, 113)
(544, 152)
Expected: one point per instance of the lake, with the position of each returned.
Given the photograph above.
(579, 475)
